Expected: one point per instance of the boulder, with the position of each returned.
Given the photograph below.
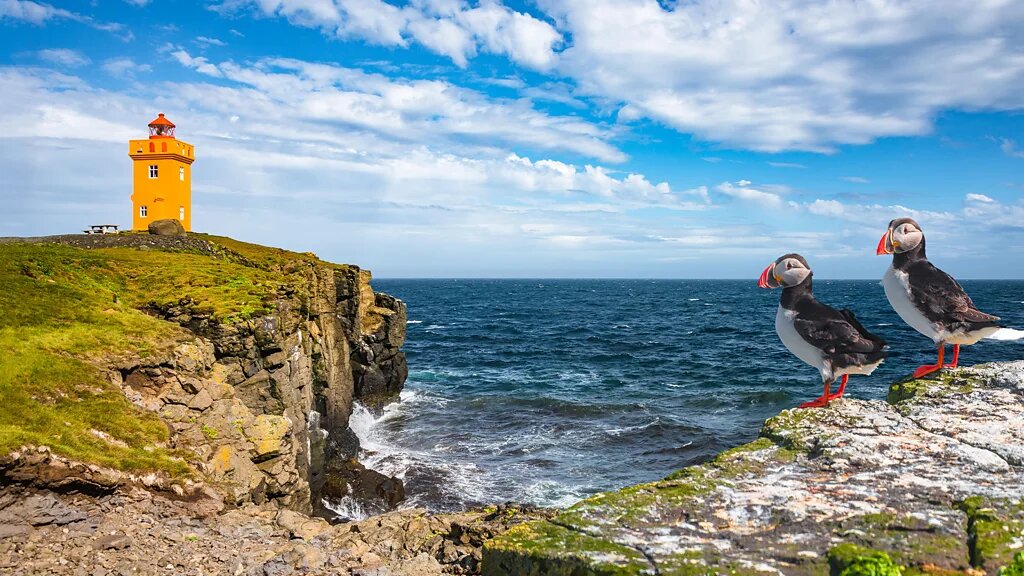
(166, 227)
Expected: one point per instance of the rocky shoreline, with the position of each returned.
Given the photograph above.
(929, 482)
(246, 368)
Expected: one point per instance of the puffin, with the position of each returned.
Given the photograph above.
(831, 340)
(931, 301)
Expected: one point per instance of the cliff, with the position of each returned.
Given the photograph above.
(200, 367)
(929, 482)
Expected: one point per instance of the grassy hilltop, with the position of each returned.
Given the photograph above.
(68, 313)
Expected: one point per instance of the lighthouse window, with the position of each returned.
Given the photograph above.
(181, 173)
(152, 170)
(181, 212)
(143, 211)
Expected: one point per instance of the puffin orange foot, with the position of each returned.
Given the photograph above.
(956, 357)
(817, 402)
(842, 388)
(926, 370)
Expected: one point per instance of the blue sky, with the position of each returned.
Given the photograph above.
(555, 138)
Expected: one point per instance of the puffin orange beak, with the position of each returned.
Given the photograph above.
(884, 245)
(768, 279)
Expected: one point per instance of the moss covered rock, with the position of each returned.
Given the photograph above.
(929, 483)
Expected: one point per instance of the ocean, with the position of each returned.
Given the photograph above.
(548, 391)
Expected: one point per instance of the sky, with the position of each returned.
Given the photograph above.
(546, 138)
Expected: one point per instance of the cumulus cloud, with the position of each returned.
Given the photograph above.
(63, 57)
(415, 110)
(40, 13)
(34, 12)
(452, 28)
(794, 74)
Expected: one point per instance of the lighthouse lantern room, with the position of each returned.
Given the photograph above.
(161, 176)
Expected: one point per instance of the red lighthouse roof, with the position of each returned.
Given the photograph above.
(161, 121)
(161, 128)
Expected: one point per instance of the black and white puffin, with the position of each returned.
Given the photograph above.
(931, 301)
(831, 340)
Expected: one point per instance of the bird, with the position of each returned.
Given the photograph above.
(931, 301)
(831, 340)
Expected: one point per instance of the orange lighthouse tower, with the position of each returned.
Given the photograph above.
(161, 176)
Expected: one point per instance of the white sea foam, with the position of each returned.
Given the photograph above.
(694, 299)
(454, 473)
(414, 321)
(346, 508)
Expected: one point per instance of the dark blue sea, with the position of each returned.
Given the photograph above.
(547, 391)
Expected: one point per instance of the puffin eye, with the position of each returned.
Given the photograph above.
(789, 265)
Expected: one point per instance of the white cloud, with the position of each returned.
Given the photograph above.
(34, 12)
(124, 67)
(452, 28)
(63, 57)
(415, 110)
(856, 179)
(39, 13)
(794, 74)
(786, 165)
(207, 41)
(743, 191)
(1009, 147)
(199, 63)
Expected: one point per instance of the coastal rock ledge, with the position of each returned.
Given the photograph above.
(929, 482)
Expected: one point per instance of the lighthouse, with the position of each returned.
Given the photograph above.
(161, 176)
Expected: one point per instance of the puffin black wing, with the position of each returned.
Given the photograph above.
(941, 298)
(838, 334)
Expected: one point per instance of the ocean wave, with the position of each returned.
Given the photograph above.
(628, 429)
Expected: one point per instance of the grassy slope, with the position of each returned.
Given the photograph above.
(64, 312)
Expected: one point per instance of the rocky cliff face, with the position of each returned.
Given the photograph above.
(265, 403)
(931, 481)
(257, 403)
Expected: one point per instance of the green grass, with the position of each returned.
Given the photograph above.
(66, 313)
